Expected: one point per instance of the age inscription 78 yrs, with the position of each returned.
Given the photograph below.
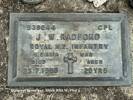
(69, 50)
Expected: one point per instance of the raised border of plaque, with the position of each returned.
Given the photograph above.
(14, 80)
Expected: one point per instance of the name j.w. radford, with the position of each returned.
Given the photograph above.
(74, 36)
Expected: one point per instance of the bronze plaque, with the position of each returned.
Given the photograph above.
(69, 50)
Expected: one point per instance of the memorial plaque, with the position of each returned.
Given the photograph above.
(69, 49)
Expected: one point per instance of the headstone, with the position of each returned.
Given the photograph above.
(63, 49)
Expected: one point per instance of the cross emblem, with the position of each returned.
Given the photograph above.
(70, 59)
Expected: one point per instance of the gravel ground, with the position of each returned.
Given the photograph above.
(47, 6)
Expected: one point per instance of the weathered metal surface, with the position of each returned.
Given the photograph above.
(69, 50)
